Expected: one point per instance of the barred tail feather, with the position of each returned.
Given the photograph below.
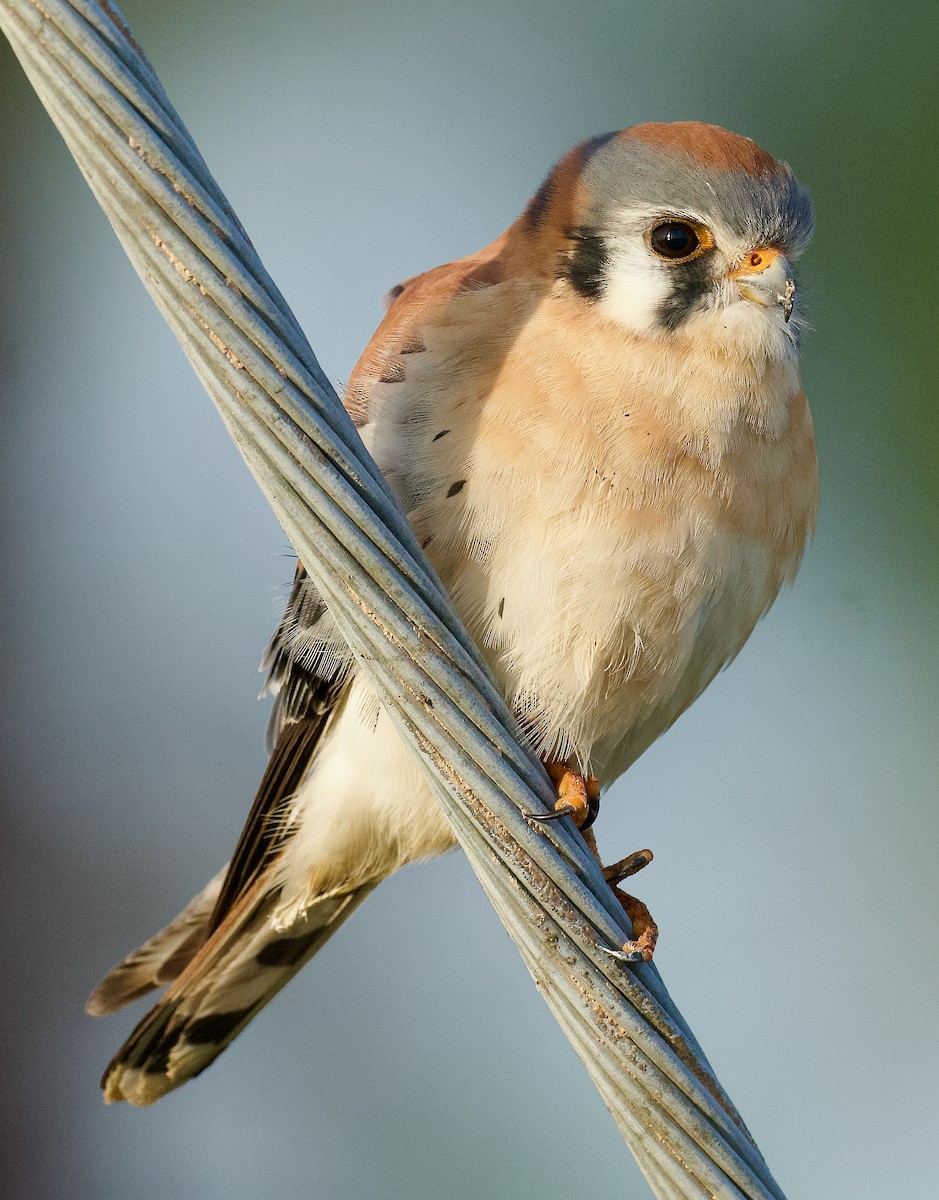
(244, 963)
(161, 958)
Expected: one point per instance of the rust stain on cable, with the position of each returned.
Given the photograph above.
(177, 264)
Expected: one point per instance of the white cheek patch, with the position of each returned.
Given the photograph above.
(636, 287)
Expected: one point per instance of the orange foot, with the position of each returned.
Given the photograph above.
(645, 931)
(579, 799)
(578, 796)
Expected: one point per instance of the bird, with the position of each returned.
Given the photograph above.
(597, 430)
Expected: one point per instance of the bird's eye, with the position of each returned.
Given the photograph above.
(674, 240)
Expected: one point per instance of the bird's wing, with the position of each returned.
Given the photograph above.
(416, 302)
(266, 830)
(306, 659)
(308, 664)
(308, 669)
(226, 951)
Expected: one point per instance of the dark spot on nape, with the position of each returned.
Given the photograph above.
(597, 142)
(502, 606)
(691, 282)
(438, 436)
(427, 540)
(456, 487)
(216, 1027)
(284, 952)
(586, 262)
(393, 372)
(393, 293)
(539, 204)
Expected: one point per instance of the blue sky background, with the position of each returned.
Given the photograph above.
(792, 811)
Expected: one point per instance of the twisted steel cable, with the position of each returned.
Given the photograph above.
(192, 254)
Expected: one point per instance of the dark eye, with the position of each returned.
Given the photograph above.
(674, 240)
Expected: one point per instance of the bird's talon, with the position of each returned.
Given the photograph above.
(579, 799)
(578, 795)
(645, 930)
(562, 810)
(625, 955)
(618, 871)
(636, 951)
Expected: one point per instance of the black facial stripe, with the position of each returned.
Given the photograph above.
(691, 282)
(585, 266)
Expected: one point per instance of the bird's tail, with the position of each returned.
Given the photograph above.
(225, 980)
(161, 958)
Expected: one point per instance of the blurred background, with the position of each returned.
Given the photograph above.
(793, 811)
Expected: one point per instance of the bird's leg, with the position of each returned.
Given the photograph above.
(579, 799)
(578, 796)
(645, 931)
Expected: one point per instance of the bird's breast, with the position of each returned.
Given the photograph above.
(610, 526)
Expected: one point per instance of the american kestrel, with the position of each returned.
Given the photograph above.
(597, 430)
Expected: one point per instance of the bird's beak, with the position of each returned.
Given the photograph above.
(765, 277)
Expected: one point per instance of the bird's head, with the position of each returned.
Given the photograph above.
(678, 230)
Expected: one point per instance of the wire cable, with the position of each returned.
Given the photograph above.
(198, 264)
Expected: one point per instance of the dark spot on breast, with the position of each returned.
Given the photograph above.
(216, 1027)
(438, 436)
(586, 263)
(427, 540)
(456, 487)
(502, 606)
(413, 344)
(284, 952)
(393, 372)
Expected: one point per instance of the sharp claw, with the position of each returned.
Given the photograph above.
(627, 956)
(566, 810)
